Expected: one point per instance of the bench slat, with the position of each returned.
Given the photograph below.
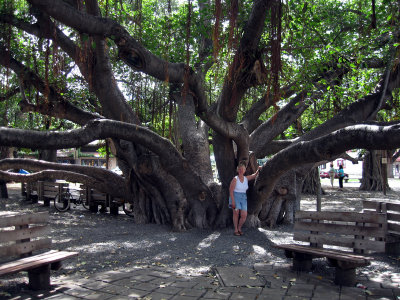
(18, 220)
(393, 206)
(394, 227)
(379, 232)
(22, 248)
(51, 188)
(332, 254)
(99, 197)
(25, 233)
(35, 261)
(375, 204)
(393, 217)
(346, 216)
(361, 244)
(392, 209)
(49, 194)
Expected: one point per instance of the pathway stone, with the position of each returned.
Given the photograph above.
(238, 277)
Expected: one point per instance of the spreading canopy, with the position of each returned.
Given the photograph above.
(166, 83)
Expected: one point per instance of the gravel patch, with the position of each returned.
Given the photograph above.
(107, 242)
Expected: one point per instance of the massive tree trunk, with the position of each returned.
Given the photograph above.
(280, 205)
(373, 178)
(312, 183)
(171, 183)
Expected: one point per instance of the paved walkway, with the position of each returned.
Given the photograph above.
(264, 281)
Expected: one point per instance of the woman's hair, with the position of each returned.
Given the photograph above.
(242, 163)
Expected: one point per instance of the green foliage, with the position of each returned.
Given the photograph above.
(317, 37)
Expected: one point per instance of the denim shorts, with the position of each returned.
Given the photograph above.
(240, 201)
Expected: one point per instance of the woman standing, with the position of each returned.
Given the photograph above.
(341, 176)
(332, 172)
(238, 197)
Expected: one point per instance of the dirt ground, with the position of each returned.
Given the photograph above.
(107, 242)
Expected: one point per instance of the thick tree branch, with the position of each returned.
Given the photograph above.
(237, 82)
(348, 157)
(362, 110)
(322, 149)
(57, 106)
(102, 179)
(132, 52)
(395, 156)
(45, 28)
(264, 134)
(170, 158)
(251, 118)
(11, 92)
(112, 100)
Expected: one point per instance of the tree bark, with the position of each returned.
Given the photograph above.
(164, 185)
(4, 153)
(312, 183)
(372, 178)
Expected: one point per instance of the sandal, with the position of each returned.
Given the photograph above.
(236, 233)
(240, 233)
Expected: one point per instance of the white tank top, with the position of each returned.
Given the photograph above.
(241, 187)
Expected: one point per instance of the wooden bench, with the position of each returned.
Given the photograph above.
(96, 198)
(357, 232)
(29, 191)
(20, 236)
(47, 190)
(392, 211)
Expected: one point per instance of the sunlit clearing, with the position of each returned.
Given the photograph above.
(277, 236)
(259, 251)
(191, 271)
(63, 240)
(96, 247)
(162, 256)
(140, 245)
(208, 241)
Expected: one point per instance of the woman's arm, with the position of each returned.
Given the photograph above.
(231, 189)
(252, 176)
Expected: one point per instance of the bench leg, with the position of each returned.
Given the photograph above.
(46, 202)
(93, 207)
(302, 262)
(56, 265)
(39, 278)
(33, 199)
(345, 277)
(392, 248)
(114, 209)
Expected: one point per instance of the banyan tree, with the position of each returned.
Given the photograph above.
(168, 84)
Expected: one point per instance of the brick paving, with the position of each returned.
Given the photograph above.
(272, 281)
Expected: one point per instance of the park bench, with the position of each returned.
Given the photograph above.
(29, 191)
(47, 190)
(20, 236)
(392, 211)
(349, 235)
(96, 198)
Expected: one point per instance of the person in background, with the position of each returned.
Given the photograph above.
(341, 176)
(332, 174)
(238, 197)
